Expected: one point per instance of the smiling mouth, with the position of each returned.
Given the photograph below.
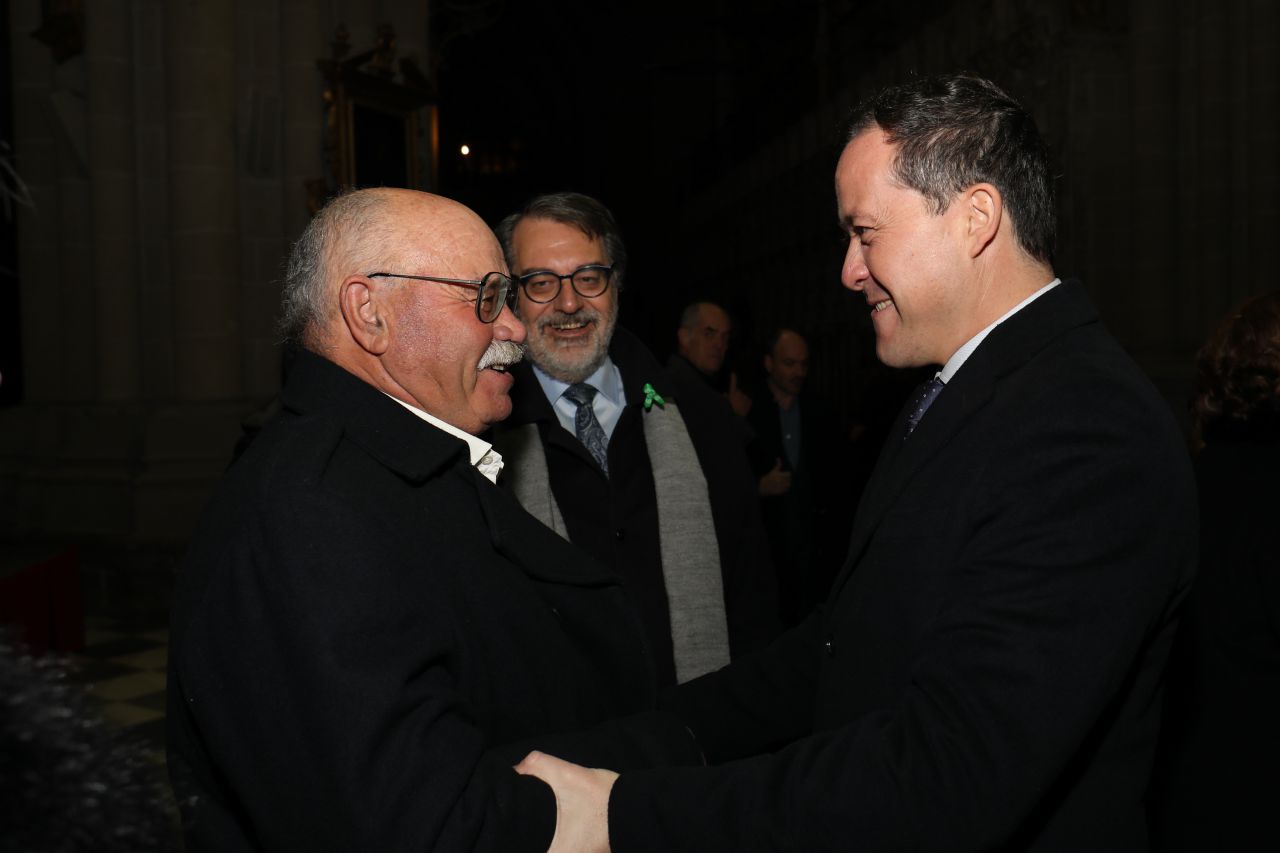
(881, 306)
(570, 325)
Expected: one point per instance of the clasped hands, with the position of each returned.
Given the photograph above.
(582, 802)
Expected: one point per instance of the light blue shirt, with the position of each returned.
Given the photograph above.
(608, 403)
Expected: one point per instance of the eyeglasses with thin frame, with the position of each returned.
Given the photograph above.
(492, 291)
(587, 281)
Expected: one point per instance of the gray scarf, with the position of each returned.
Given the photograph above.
(690, 553)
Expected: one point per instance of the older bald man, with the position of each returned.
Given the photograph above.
(363, 617)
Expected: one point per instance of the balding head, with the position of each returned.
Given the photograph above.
(366, 231)
(703, 336)
(355, 294)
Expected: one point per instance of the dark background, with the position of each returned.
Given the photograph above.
(641, 105)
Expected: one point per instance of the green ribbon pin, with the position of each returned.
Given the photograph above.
(651, 396)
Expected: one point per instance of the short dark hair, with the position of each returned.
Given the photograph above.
(776, 335)
(957, 130)
(1238, 375)
(581, 211)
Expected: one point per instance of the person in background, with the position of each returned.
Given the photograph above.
(801, 462)
(702, 343)
(1215, 782)
(605, 452)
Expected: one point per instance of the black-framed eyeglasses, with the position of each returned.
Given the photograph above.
(588, 281)
(492, 291)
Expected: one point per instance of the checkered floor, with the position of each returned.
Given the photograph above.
(123, 663)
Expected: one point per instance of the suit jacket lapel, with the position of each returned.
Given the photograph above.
(901, 459)
(1009, 346)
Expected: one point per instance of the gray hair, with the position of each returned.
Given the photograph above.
(581, 211)
(349, 229)
(692, 311)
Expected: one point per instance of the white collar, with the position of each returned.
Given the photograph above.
(961, 355)
(487, 460)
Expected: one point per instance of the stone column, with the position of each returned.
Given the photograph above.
(302, 42)
(1155, 234)
(36, 156)
(200, 63)
(113, 189)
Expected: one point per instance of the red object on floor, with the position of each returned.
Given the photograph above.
(42, 601)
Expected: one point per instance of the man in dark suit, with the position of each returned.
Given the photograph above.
(800, 462)
(986, 674)
(608, 454)
(702, 343)
(363, 615)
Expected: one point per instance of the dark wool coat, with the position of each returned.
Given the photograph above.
(362, 619)
(986, 674)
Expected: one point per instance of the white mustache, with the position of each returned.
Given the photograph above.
(501, 354)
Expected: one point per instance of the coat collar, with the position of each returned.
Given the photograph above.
(1009, 346)
(383, 428)
(418, 451)
(529, 544)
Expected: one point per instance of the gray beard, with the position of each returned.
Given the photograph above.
(572, 364)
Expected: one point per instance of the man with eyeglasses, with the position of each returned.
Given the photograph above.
(364, 618)
(604, 452)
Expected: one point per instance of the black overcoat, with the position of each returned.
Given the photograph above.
(361, 618)
(986, 673)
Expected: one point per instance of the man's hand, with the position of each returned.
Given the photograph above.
(776, 482)
(582, 802)
(738, 399)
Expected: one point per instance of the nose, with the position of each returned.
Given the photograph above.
(854, 272)
(567, 300)
(508, 326)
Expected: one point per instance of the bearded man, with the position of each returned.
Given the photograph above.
(602, 451)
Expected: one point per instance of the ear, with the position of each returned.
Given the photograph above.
(768, 362)
(682, 338)
(363, 312)
(983, 215)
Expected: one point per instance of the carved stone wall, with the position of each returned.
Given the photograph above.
(167, 161)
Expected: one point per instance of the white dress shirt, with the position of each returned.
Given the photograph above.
(961, 355)
(486, 460)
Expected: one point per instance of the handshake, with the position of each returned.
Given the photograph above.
(582, 802)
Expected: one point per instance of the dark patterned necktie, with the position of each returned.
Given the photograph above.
(921, 402)
(585, 424)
